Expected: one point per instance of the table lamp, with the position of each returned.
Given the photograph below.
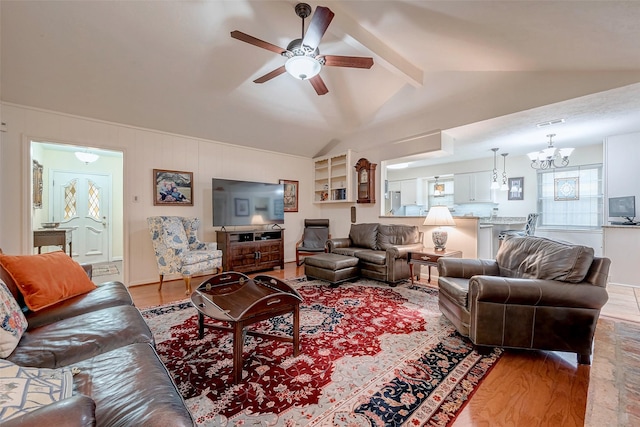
(439, 216)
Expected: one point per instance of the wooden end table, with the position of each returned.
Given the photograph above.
(429, 257)
(53, 237)
(240, 301)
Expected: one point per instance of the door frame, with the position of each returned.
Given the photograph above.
(27, 199)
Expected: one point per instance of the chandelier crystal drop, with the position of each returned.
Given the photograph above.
(550, 157)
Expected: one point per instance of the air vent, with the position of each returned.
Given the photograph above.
(550, 122)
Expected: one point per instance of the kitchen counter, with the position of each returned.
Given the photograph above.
(504, 220)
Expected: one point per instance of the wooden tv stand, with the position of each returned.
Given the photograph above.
(251, 250)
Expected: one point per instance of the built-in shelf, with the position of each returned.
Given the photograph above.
(333, 179)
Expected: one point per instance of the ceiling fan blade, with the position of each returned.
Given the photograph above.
(318, 85)
(348, 61)
(319, 23)
(257, 42)
(270, 75)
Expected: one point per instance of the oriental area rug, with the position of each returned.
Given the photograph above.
(371, 355)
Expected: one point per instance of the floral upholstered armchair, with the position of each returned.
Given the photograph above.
(178, 250)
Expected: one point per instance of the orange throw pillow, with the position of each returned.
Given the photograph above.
(46, 279)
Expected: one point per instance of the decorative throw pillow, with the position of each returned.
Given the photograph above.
(24, 390)
(46, 279)
(12, 322)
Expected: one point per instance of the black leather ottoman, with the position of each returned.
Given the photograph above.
(333, 268)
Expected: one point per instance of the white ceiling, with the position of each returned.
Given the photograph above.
(484, 72)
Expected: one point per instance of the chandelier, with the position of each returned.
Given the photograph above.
(550, 157)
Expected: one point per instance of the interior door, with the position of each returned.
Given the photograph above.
(81, 202)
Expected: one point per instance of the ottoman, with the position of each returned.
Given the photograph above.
(333, 268)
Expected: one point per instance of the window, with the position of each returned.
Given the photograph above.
(571, 197)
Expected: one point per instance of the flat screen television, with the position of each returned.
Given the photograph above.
(623, 207)
(242, 203)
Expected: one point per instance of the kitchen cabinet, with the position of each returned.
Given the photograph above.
(472, 187)
(485, 242)
(412, 191)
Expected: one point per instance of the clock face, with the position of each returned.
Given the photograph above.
(364, 176)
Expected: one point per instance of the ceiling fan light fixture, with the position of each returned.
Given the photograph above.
(302, 67)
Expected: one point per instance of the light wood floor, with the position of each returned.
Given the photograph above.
(525, 388)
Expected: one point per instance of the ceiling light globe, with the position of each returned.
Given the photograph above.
(302, 67)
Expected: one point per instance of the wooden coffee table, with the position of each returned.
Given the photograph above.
(430, 258)
(236, 299)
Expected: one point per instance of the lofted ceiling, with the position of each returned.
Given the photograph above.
(483, 72)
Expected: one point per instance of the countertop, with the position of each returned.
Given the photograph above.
(503, 220)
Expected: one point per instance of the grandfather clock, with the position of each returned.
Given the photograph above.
(366, 182)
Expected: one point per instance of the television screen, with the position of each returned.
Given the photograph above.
(622, 206)
(246, 203)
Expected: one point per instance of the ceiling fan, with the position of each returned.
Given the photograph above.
(304, 59)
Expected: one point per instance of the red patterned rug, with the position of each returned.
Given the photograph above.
(371, 355)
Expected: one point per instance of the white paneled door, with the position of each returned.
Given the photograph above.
(81, 202)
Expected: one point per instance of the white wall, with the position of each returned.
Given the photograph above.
(622, 178)
(143, 150)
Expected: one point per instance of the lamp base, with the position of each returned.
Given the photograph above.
(439, 238)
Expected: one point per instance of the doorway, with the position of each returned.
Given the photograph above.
(84, 194)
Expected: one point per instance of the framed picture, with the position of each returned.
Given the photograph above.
(566, 189)
(290, 195)
(37, 185)
(242, 207)
(516, 188)
(172, 188)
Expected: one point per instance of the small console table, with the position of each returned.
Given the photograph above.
(429, 258)
(53, 237)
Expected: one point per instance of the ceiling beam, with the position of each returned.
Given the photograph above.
(347, 28)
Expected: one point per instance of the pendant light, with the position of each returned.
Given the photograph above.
(504, 186)
(494, 182)
(438, 189)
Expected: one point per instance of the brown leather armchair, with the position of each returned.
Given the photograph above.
(537, 294)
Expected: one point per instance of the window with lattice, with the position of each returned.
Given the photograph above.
(94, 200)
(70, 200)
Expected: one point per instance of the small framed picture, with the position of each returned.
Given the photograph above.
(172, 188)
(242, 207)
(566, 189)
(290, 195)
(516, 188)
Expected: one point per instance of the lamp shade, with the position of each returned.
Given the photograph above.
(439, 215)
(85, 156)
(302, 67)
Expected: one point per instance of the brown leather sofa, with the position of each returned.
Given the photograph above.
(120, 379)
(537, 294)
(381, 249)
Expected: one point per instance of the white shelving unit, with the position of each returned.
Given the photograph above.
(333, 178)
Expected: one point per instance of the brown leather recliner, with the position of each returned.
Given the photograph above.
(537, 294)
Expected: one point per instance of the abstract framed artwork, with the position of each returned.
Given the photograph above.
(172, 188)
(516, 188)
(290, 195)
(566, 189)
